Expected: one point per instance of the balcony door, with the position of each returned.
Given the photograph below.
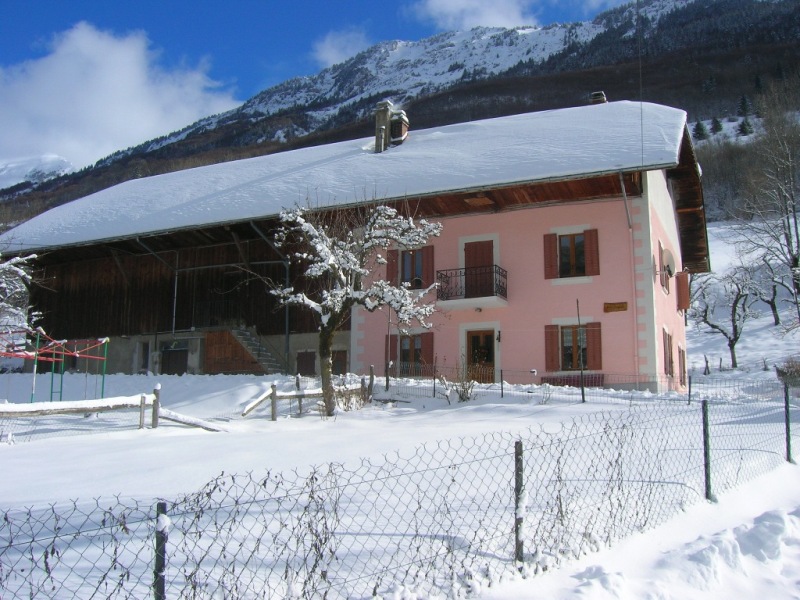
(478, 272)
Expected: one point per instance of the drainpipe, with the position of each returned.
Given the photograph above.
(633, 280)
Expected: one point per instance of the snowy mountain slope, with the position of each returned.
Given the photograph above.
(34, 169)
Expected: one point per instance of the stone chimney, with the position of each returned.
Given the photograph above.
(391, 126)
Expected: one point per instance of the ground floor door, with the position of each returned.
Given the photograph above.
(480, 355)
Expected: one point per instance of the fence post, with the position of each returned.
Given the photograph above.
(707, 452)
(142, 402)
(274, 398)
(690, 389)
(502, 389)
(519, 509)
(788, 419)
(297, 382)
(371, 381)
(159, 571)
(156, 404)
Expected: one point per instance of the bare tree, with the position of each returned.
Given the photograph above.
(340, 251)
(769, 230)
(724, 304)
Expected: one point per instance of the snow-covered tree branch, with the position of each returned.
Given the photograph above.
(15, 277)
(340, 251)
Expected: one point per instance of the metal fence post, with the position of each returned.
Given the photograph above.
(142, 402)
(707, 452)
(519, 509)
(787, 414)
(502, 390)
(274, 398)
(159, 587)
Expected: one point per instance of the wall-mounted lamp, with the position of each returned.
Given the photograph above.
(499, 335)
(478, 309)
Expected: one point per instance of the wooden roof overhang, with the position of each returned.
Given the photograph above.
(687, 193)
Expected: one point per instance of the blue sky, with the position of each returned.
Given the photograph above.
(83, 78)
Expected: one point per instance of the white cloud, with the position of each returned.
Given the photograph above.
(338, 46)
(96, 93)
(466, 14)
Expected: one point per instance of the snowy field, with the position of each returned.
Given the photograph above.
(747, 545)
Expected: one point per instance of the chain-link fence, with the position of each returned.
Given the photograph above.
(446, 519)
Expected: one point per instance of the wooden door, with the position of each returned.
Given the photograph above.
(480, 355)
(478, 273)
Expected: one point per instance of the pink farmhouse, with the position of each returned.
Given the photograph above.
(569, 237)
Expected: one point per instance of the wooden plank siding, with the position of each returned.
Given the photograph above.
(224, 354)
(217, 286)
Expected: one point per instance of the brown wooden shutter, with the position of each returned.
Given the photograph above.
(552, 348)
(682, 285)
(591, 250)
(594, 347)
(428, 274)
(392, 266)
(427, 348)
(551, 256)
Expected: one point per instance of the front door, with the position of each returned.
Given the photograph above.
(480, 355)
(478, 272)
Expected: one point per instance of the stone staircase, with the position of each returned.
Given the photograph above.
(251, 342)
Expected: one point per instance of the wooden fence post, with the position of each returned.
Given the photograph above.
(156, 404)
(274, 398)
(371, 381)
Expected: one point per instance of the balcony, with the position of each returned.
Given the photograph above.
(473, 287)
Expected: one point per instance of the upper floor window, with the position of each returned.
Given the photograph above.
(571, 255)
(414, 267)
(411, 261)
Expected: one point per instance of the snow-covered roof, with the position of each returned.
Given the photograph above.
(557, 144)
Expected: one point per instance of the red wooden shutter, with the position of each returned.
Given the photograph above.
(682, 285)
(427, 348)
(591, 250)
(428, 274)
(594, 349)
(551, 256)
(392, 266)
(552, 347)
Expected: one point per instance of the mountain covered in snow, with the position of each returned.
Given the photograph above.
(699, 55)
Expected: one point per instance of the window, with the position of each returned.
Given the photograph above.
(415, 353)
(414, 267)
(411, 261)
(571, 255)
(339, 362)
(572, 347)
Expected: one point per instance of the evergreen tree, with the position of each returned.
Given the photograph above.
(716, 126)
(699, 132)
(745, 108)
(745, 128)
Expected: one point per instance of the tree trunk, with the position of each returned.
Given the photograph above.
(326, 369)
(732, 348)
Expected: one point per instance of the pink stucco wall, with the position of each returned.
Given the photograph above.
(533, 301)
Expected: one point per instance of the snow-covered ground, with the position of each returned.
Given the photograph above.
(745, 546)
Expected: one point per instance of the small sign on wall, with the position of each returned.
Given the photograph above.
(615, 307)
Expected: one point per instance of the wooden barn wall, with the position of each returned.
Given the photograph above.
(220, 286)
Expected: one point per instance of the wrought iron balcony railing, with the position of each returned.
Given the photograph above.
(473, 282)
